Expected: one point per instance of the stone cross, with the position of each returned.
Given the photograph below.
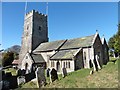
(48, 72)
(54, 75)
(64, 72)
(40, 75)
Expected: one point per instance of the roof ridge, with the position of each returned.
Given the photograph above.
(53, 41)
(81, 37)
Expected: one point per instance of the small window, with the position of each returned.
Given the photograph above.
(69, 64)
(27, 27)
(64, 64)
(84, 55)
(39, 27)
(52, 63)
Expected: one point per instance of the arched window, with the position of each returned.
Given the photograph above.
(58, 66)
(68, 64)
(26, 66)
(64, 64)
(85, 56)
(52, 63)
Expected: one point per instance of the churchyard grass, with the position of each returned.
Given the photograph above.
(107, 77)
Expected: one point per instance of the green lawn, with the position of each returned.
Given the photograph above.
(107, 77)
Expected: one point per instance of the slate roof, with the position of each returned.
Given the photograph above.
(47, 46)
(78, 42)
(64, 54)
(37, 58)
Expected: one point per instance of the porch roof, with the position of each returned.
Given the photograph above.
(37, 58)
(65, 54)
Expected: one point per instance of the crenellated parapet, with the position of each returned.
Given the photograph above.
(36, 12)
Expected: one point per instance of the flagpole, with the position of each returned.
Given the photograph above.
(25, 8)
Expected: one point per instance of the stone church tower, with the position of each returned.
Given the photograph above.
(35, 32)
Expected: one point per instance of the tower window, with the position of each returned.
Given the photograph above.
(26, 57)
(39, 27)
(27, 27)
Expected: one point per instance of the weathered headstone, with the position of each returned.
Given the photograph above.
(40, 75)
(54, 75)
(48, 72)
(97, 61)
(64, 72)
(3, 73)
(19, 72)
(8, 74)
(20, 80)
(5, 85)
(91, 72)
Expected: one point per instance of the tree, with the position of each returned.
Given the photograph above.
(7, 58)
(117, 41)
(111, 42)
(114, 42)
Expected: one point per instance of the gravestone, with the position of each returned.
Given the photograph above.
(54, 75)
(5, 85)
(97, 61)
(20, 80)
(48, 72)
(23, 72)
(3, 74)
(64, 72)
(8, 74)
(40, 75)
(19, 71)
(91, 72)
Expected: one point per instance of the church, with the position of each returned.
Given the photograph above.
(72, 54)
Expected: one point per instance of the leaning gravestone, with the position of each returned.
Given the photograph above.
(91, 72)
(54, 75)
(40, 75)
(64, 72)
(20, 80)
(97, 61)
(48, 72)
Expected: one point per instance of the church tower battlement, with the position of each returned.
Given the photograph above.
(35, 32)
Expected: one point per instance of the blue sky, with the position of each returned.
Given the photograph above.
(65, 20)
